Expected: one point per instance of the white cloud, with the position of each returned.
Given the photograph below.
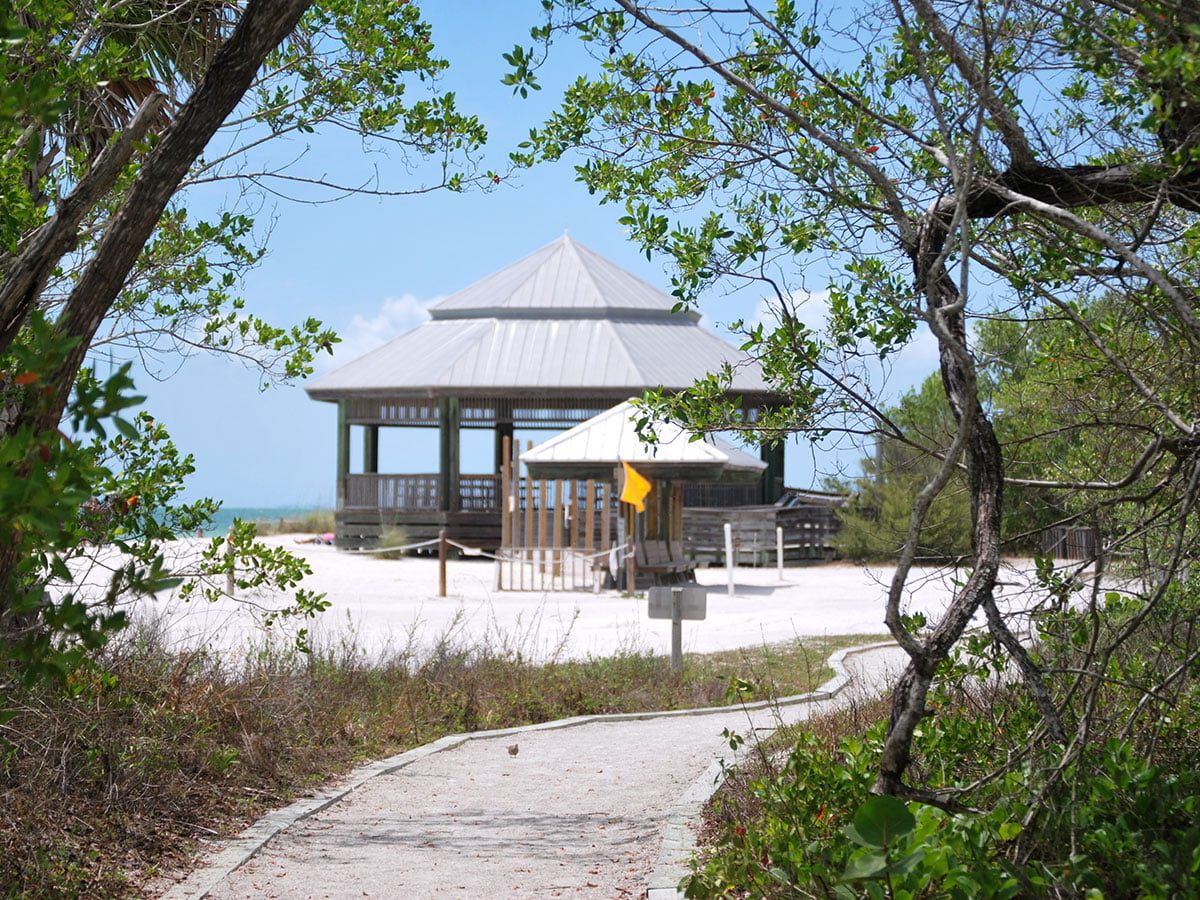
(811, 309)
(366, 332)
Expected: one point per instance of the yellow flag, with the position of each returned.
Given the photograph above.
(636, 488)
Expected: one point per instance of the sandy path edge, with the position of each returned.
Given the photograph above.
(678, 839)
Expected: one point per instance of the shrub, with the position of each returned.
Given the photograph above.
(1114, 816)
(393, 536)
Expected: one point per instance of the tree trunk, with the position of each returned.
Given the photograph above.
(985, 480)
(263, 26)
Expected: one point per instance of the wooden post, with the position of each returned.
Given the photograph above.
(779, 549)
(504, 437)
(507, 503)
(573, 539)
(542, 543)
(631, 565)
(772, 455)
(589, 520)
(528, 523)
(343, 451)
(514, 528)
(676, 529)
(606, 518)
(371, 449)
(449, 413)
(630, 518)
(443, 552)
(663, 531)
(652, 503)
(573, 512)
(559, 512)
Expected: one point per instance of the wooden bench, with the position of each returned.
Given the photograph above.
(663, 558)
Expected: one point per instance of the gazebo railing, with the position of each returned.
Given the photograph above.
(418, 493)
(479, 493)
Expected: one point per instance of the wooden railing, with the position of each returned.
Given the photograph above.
(419, 493)
(479, 493)
(392, 492)
(720, 496)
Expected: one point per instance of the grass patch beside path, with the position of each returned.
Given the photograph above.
(111, 782)
(775, 670)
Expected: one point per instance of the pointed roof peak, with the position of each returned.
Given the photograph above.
(561, 280)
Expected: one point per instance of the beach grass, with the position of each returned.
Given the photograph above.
(110, 782)
(316, 521)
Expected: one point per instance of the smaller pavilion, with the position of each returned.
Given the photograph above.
(562, 515)
(545, 343)
(596, 448)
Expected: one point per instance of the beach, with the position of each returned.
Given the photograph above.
(381, 606)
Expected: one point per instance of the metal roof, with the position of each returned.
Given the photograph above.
(610, 438)
(562, 320)
(564, 279)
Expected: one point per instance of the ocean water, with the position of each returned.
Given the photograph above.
(224, 517)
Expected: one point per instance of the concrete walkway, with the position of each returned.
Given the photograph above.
(577, 812)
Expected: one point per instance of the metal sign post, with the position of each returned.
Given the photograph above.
(677, 603)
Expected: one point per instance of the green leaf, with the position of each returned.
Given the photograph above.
(865, 864)
(880, 821)
(125, 428)
(1009, 830)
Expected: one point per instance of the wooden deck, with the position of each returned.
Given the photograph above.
(373, 502)
(412, 503)
(363, 528)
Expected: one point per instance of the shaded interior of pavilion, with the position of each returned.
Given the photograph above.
(468, 503)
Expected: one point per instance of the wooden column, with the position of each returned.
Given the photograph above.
(343, 452)
(449, 414)
(675, 530)
(370, 449)
(504, 432)
(772, 455)
(662, 490)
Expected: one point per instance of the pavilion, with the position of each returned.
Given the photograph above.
(545, 343)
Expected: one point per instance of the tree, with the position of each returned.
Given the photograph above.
(945, 161)
(107, 112)
(875, 521)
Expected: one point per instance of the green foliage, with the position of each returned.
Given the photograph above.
(1116, 817)
(875, 523)
(1045, 388)
(103, 494)
(107, 497)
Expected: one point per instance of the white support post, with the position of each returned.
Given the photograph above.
(230, 578)
(779, 550)
(729, 561)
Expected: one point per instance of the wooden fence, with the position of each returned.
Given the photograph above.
(555, 535)
(1069, 542)
(808, 532)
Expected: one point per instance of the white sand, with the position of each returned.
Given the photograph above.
(388, 603)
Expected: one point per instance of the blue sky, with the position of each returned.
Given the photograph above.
(367, 266)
